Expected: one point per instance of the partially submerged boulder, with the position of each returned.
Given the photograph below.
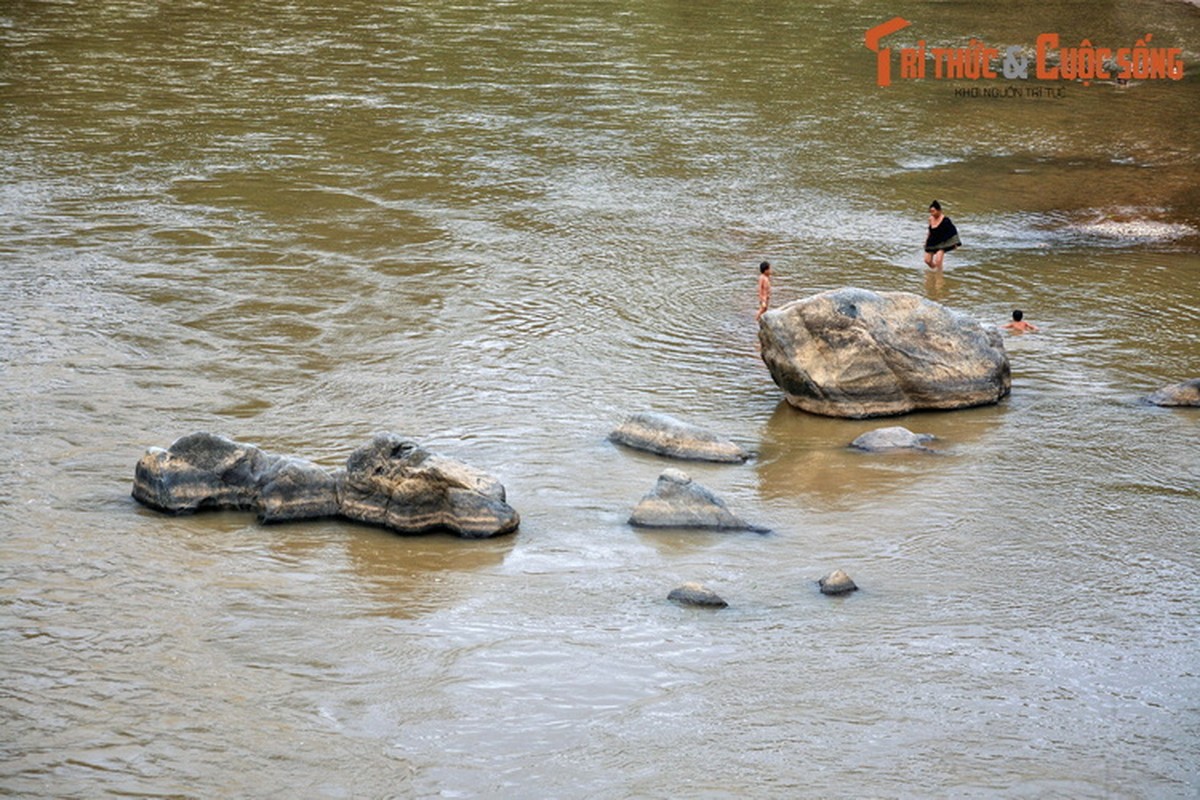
(857, 353)
(1186, 393)
(696, 594)
(896, 437)
(836, 582)
(677, 501)
(201, 471)
(667, 436)
(391, 482)
(399, 484)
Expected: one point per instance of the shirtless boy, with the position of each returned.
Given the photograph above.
(764, 289)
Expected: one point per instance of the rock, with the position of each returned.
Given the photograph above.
(668, 436)
(677, 501)
(390, 482)
(199, 471)
(297, 489)
(696, 594)
(857, 353)
(894, 438)
(836, 582)
(399, 484)
(1186, 393)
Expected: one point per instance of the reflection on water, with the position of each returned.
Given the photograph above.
(935, 286)
(499, 229)
(406, 579)
(809, 456)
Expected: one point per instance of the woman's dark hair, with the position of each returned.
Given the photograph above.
(936, 204)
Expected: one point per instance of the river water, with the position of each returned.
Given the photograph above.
(499, 228)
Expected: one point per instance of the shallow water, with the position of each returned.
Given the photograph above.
(499, 229)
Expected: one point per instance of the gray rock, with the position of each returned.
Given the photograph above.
(399, 484)
(390, 482)
(894, 438)
(667, 436)
(201, 471)
(677, 501)
(836, 582)
(297, 489)
(857, 353)
(696, 594)
(1186, 393)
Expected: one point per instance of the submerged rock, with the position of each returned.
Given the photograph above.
(677, 501)
(696, 594)
(667, 436)
(836, 582)
(857, 353)
(1186, 393)
(390, 482)
(894, 438)
(1130, 230)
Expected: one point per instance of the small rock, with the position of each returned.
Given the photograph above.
(893, 438)
(296, 489)
(836, 582)
(677, 501)
(665, 435)
(696, 594)
(1186, 393)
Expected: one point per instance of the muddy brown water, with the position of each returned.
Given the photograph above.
(500, 228)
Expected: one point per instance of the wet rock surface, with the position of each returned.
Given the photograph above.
(896, 437)
(696, 594)
(391, 481)
(665, 435)
(856, 353)
(837, 582)
(677, 501)
(1183, 394)
(399, 484)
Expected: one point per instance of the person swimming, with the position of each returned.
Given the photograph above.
(1018, 323)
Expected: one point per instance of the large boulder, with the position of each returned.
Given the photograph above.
(399, 484)
(677, 501)
(857, 353)
(667, 436)
(1186, 393)
(390, 481)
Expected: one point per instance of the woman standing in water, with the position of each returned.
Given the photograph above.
(942, 238)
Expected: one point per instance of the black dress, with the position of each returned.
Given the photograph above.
(943, 237)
